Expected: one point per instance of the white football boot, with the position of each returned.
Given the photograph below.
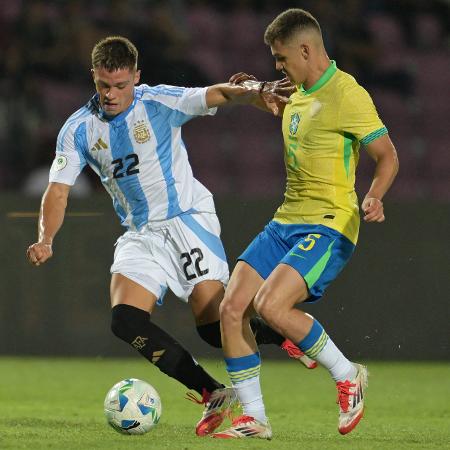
(218, 405)
(351, 400)
(245, 427)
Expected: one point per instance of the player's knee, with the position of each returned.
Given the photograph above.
(125, 319)
(210, 333)
(267, 306)
(231, 310)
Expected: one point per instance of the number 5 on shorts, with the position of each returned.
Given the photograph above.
(310, 242)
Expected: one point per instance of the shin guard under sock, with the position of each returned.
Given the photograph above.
(133, 326)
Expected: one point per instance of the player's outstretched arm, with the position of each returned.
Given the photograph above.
(382, 150)
(227, 93)
(51, 217)
(245, 89)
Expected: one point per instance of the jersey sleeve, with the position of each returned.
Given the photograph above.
(358, 116)
(184, 103)
(69, 159)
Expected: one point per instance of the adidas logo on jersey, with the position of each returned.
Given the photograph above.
(99, 145)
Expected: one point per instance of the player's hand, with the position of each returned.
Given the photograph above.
(284, 88)
(276, 94)
(239, 77)
(373, 210)
(39, 253)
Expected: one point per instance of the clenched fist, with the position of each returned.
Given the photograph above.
(373, 210)
(39, 252)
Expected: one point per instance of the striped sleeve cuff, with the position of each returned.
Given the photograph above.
(374, 135)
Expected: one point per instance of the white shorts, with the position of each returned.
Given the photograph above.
(177, 254)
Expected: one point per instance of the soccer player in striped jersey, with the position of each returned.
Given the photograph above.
(131, 137)
(315, 230)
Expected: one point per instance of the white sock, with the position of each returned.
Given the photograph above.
(340, 367)
(250, 397)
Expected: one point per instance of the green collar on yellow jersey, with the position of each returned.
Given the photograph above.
(331, 70)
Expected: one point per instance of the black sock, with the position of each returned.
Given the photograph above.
(263, 333)
(210, 333)
(133, 325)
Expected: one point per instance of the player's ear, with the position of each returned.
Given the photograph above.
(137, 76)
(93, 74)
(305, 51)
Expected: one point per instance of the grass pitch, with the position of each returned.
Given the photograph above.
(58, 404)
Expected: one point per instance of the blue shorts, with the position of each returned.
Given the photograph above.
(316, 252)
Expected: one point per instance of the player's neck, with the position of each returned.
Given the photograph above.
(317, 69)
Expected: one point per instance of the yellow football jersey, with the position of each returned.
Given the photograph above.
(322, 130)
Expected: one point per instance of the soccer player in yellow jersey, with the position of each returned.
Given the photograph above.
(315, 230)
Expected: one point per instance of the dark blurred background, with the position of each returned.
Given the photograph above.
(392, 300)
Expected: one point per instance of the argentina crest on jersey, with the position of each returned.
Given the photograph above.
(141, 132)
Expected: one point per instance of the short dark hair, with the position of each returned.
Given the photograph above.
(289, 22)
(114, 53)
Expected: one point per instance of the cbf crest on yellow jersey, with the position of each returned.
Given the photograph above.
(322, 130)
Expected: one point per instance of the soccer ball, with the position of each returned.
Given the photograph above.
(132, 406)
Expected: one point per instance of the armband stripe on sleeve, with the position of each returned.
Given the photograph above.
(374, 135)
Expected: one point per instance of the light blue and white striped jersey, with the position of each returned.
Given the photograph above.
(139, 154)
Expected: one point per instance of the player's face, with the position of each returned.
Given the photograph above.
(115, 89)
(290, 59)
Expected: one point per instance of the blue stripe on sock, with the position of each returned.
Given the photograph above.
(312, 337)
(242, 363)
